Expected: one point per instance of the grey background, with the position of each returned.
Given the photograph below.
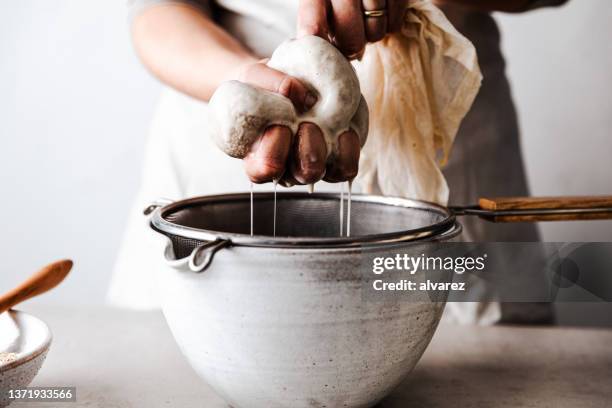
(75, 106)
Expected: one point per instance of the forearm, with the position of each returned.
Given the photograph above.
(186, 50)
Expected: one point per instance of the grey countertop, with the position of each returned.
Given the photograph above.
(126, 359)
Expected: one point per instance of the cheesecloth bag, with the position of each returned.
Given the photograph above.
(419, 84)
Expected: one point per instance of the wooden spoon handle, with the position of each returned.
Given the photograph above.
(47, 278)
(527, 209)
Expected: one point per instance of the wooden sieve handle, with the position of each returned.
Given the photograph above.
(529, 209)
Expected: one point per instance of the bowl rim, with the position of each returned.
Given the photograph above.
(44, 346)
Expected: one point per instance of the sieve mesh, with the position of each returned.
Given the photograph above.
(183, 246)
(301, 218)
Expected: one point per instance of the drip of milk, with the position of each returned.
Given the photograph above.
(311, 190)
(348, 209)
(341, 208)
(275, 181)
(251, 209)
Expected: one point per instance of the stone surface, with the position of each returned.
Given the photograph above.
(121, 359)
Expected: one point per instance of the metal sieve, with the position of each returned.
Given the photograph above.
(198, 227)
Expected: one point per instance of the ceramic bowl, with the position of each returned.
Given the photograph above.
(24, 340)
(280, 328)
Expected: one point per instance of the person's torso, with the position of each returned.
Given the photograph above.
(261, 26)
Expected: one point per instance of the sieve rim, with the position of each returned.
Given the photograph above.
(440, 228)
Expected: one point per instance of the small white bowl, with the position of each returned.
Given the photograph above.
(27, 338)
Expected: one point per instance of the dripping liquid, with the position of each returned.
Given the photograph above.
(251, 209)
(275, 181)
(341, 208)
(311, 189)
(348, 209)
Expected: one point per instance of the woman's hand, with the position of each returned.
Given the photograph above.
(301, 159)
(350, 24)
(170, 40)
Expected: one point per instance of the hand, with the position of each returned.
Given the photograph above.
(303, 159)
(345, 22)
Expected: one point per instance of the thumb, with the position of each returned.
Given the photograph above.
(272, 80)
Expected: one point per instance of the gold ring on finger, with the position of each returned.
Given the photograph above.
(375, 13)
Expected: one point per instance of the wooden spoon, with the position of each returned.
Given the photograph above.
(47, 278)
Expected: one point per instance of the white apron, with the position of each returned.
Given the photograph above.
(181, 161)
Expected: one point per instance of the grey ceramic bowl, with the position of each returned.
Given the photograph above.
(27, 339)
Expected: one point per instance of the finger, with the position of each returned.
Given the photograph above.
(309, 154)
(375, 26)
(396, 10)
(268, 156)
(287, 180)
(348, 27)
(312, 18)
(346, 159)
(275, 81)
